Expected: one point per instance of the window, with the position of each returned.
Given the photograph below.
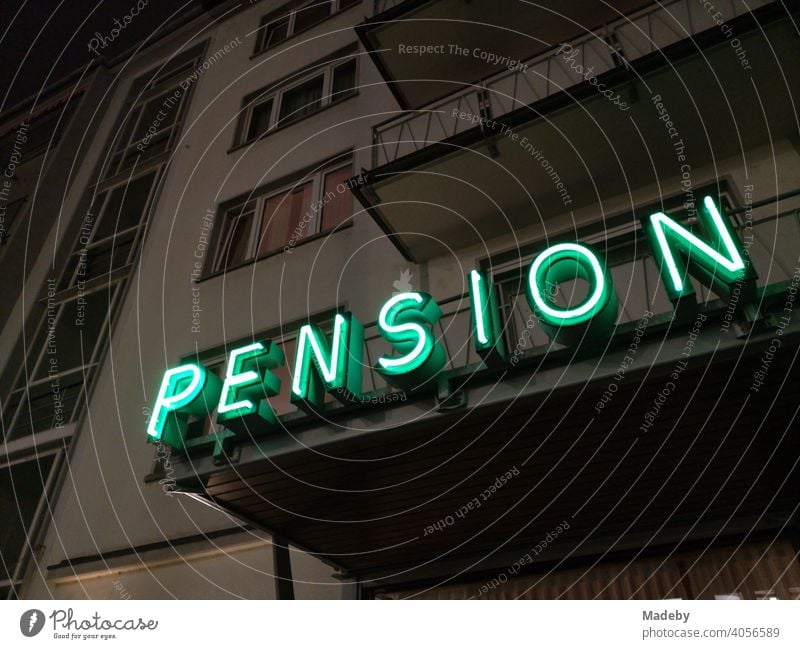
(301, 100)
(274, 31)
(282, 218)
(330, 82)
(59, 366)
(149, 128)
(8, 215)
(65, 343)
(235, 242)
(311, 14)
(344, 80)
(21, 488)
(340, 207)
(260, 119)
(42, 133)
(116, 219)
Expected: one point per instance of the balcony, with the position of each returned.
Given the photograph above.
(360, 489)
(528, 144)
(509, 29)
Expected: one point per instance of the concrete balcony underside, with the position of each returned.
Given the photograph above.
(505, 28)
(719, 461)
(440, 183)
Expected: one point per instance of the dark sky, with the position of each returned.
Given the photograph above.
(42, 40)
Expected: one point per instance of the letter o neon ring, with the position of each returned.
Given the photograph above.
(563, 262)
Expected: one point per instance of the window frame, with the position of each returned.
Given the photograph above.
(314, 229)
(118, 238)
(274, 17)
(126, 145)
(38, 359)
(23, 379)
(276, 96)
(6, 231)
(48, 483)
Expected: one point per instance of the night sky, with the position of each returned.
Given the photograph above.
(43, 40)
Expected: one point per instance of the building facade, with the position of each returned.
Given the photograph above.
(279, 181)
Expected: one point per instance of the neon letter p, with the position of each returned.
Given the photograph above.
(187, 390)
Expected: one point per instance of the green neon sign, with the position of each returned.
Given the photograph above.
(189, 390)
(333, 363)
(248, 381)
(594, 315)
(719, 263)
(487, 328)
(406, 321)
(321, 366)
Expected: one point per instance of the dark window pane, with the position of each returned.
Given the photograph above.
(7, 218)
(34, 344)
(235, 239)
(338, 200)
(125, 207)
(102, 259)
(154, 146)
(68, 276)
(158, 114)
(7, 145)
(348, 3)
(21, 488)
(180, 66)
(42, 132)
(274, 33)
(126, 128)
(300, 101)
(311, 14)
(130, 159)
(259, 120)
(113, 165)
(8, 409)
(344, 80)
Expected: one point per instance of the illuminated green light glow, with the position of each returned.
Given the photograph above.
(248, 381)
(187, 390)
(321, 366)
(678, 251)
(487, 327)
(480, 306)
(405, 320)
(594, 315)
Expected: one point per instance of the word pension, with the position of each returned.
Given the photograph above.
(332, 362)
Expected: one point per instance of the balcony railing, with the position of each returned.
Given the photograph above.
(620, 42)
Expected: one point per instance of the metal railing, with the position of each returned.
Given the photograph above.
(621, 41)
